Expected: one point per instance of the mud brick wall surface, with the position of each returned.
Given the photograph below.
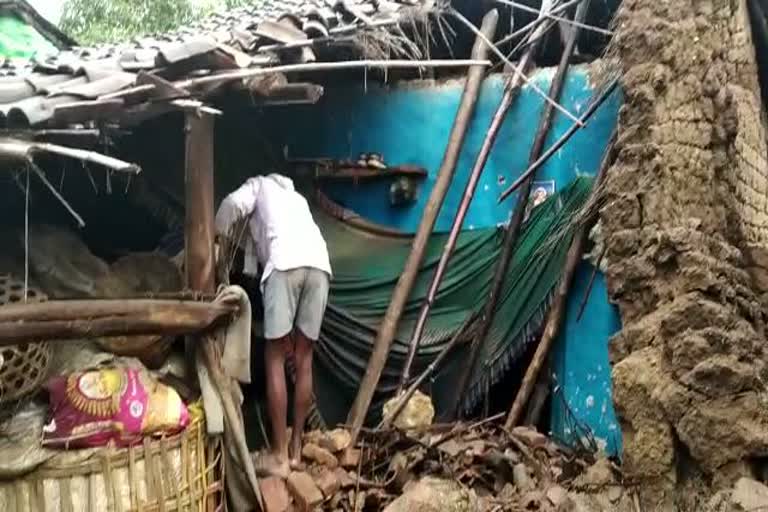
(686, 219)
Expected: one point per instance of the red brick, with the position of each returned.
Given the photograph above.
(350, 458)
(305, 493)
(275, 494)
(319, 455)
(345, 480)
(328, 482)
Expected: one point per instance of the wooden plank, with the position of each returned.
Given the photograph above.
(54, 321)
(82, 111)
(201, 276)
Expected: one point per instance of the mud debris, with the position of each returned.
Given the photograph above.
(456, 468)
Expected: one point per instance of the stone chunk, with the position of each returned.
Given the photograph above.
(305, 493)
(335, 440)
(350, 458)
(275, 494)
(435, 495)
(345, 479)
(530, 437)
(328, 482)
(522, 480)
(418, 413)
(560, 499)
(750, 494)
(319, 455)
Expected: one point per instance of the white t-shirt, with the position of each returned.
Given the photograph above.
(281, 226)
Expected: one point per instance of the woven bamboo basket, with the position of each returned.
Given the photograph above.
(23, 367)
(183, 472)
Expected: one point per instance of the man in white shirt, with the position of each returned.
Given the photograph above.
(285, 241)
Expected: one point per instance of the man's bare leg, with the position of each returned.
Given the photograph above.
(302, 400)
(277, 403)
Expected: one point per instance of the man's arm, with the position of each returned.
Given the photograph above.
(236, 206)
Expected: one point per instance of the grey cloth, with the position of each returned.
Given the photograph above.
(295, 298)
(235, 361)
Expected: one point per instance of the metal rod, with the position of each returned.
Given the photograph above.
(511, 92)
(517, 69)
(565, 138)
(388, 327)
(513, 229)
(574, 23)
(40, 174)
(535, 23)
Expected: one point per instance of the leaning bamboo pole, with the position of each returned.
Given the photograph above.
(513, 87)
(513, 228)
(388, 327)
(557, 311)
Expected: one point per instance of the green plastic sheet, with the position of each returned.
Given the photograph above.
(367, 267)
(18, 39)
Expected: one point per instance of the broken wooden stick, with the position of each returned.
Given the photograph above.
(76, 319)
(591, 283)
(388, 327)
(25, 151)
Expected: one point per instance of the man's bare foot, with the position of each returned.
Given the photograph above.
(294, 451)
(269, 464)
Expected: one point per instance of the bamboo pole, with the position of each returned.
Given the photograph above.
(388, 327)
(513, 229)
(556, 313)
(25, 150)
(510, 94)
(562, 140)
(330, 66)
(65, 320)
(200, 272)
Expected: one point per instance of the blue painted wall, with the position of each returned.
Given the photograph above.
(580, 364)
(410, 123)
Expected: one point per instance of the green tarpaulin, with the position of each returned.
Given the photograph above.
(18, 39)
(367, 267)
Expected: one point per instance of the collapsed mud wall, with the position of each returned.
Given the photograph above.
(686, 219)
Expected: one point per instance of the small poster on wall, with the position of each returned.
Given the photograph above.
(540, 192)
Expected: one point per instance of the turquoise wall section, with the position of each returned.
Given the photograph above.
(582, 391)
(411, 123)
